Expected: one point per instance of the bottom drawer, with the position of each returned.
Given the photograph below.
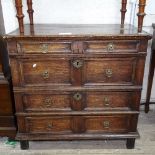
(81, 124)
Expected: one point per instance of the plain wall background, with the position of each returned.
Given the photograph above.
(81, 12)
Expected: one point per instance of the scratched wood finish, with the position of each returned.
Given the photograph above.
(44, 72)
(86, 85)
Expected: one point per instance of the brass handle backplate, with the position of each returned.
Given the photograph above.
(110, 47)
(78, 63)
(45, 74)
(49, 126)
(77, 96)
(44, 48)
(106, 101)
(48, 102)
(106, 124)
(108, 73)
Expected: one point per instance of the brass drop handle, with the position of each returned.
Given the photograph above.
(77, 96)
(106, 124)
(106, 101)
(109, 73)
(44, 48)
(110, 47)
(48, 102)
(45, 74)
(49, 126)
(77, 63)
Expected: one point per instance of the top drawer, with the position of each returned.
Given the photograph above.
(79, 47)
(44, 47)
(117, 46)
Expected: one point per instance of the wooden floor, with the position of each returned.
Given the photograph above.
(144, 146)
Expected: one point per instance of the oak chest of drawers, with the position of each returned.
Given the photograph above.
(77, 81)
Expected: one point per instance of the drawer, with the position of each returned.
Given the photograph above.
(109, 71)
(39, 72)
(76, 101)
(80, 124)
(44, 47)
(120, 46)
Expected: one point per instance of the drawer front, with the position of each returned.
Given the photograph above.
(80, 124)
(124, 46)
(44, 47)
(76, 101)
(108, 100)
(115, 124)
(47, 102)
(45, 72)
(58, 47)
(109, 71)
(48, 124)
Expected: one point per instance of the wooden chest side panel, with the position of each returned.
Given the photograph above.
(5, 100)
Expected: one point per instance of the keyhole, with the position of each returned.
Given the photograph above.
(77, 63)
(77, 96)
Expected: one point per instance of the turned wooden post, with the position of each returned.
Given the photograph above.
(20, 15)
(141, 14)
(123, 12)
(30, 11)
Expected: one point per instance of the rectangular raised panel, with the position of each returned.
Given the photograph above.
(109, 71)
(115, 124)
(46, 102)
(109, 100)
(39, 72)
(48, 124)
(124, 46)
(44, 47)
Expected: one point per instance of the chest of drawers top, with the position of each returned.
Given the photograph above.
(87, 31)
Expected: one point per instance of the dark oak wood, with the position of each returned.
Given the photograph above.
(82, 85)
(151, 73)
(30, 11)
